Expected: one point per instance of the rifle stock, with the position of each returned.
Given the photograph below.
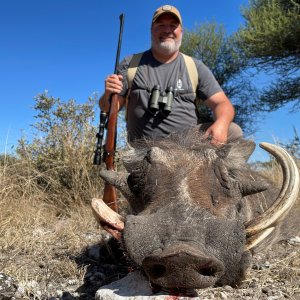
(110, 194)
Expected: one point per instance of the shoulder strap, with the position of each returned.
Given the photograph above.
(192, 71)
(131, 71)
(132, 68)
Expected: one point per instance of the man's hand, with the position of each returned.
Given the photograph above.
(218, 133)
(223, 112)
(113, 85)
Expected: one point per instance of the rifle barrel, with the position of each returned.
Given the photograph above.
(122, 18)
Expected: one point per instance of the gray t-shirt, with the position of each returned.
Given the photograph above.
(141, 122)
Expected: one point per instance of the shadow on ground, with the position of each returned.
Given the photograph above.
(104, 263)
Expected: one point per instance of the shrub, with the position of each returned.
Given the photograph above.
(61, 154)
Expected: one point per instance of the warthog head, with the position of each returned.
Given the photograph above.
(198, 210)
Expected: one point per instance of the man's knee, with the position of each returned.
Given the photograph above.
(235, 132)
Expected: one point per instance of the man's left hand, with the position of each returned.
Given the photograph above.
(218, 133)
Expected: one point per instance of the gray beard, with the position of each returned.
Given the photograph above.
(167, 47)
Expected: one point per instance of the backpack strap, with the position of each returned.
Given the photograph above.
(131, 71)
(192, 71)
(132, 68)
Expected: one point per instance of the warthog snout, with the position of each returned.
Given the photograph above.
(182, 266)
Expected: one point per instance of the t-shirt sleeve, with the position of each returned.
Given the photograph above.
(207, 84)
(122, 70)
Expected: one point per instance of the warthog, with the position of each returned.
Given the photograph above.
(200, 212)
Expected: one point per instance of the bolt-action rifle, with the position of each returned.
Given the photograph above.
(109, 121)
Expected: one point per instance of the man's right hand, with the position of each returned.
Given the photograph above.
(113, 85)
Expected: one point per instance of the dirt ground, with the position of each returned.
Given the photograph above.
(70, 258)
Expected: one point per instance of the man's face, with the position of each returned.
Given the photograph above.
(166, 34)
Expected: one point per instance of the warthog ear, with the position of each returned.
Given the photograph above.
(122, 181)
(238, 151)
(118, 180)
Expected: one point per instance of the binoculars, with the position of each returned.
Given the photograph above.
(161, 100)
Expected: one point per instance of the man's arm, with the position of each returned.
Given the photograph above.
(223, 114)
(113, 85)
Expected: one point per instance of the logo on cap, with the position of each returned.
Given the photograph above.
(166, 7)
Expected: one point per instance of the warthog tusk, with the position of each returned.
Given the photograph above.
(105, 216)
(260, 227)
(255, 240)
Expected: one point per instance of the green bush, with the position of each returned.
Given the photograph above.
(61, 154)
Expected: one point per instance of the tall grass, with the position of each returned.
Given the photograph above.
(59, 160)
(45, 193)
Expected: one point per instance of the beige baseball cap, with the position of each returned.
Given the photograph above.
(167, 9)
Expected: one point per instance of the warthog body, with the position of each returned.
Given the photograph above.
(195, 210)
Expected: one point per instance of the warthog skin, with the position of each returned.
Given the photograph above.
(190, 202)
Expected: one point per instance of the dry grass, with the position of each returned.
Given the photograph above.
(40, 239)
(45, 219)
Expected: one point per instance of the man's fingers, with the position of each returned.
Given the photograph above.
(113, 84)
(207, 134)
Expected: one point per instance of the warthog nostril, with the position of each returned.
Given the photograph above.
(156, 271)
(208, 271)
(183, 269)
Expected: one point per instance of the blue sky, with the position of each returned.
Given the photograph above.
(68, 47)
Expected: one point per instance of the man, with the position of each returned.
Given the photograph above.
(164, 67)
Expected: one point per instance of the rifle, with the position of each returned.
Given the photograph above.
(110, 122)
